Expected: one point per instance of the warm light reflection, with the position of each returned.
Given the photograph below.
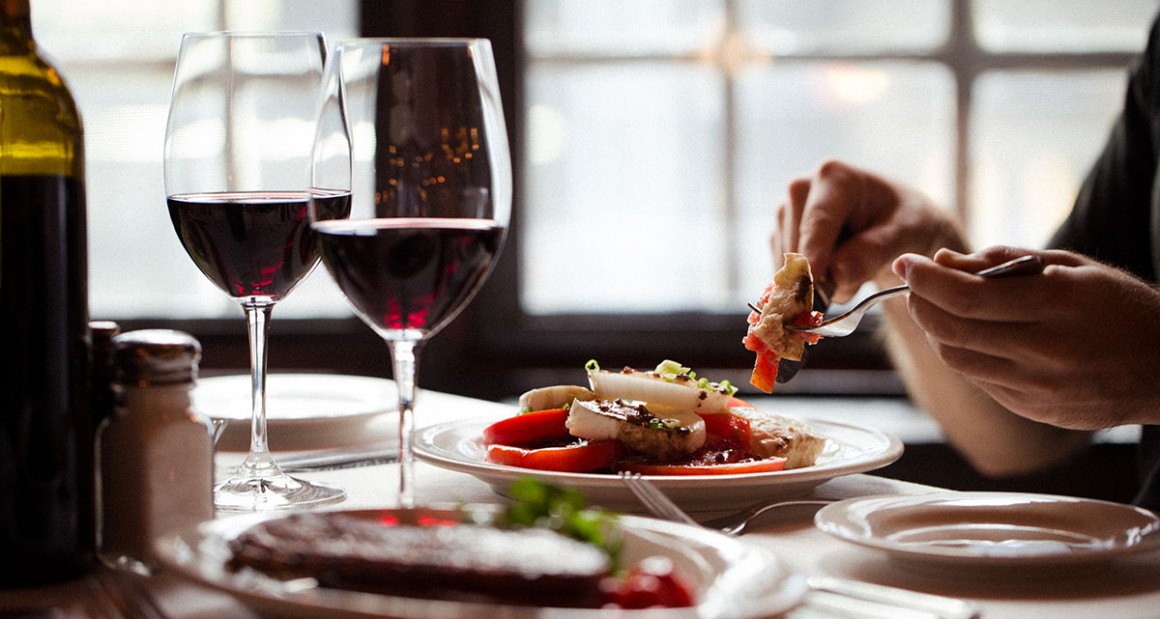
(732, 52)
(845, 84)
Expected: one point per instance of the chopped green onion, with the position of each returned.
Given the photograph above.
(664, 424)
(728, 386)
(670, 370)
(592, 366)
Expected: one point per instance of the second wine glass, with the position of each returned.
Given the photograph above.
(418, 126)
(238, 146)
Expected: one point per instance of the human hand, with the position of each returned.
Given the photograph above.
(1077, 346)
(851, 224)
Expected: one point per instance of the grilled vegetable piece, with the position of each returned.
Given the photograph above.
(661, 435)
(788, 300)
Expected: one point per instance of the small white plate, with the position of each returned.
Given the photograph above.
(992, 529)
(849, 449)
(731, 578)
(303, 411)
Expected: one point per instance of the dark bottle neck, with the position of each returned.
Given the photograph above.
(15, 27)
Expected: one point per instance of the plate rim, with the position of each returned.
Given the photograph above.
(388, 405)
(826, 521)
(892, 449)
(790, 590)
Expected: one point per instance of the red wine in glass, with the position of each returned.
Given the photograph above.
(253, 244)
(409, 275)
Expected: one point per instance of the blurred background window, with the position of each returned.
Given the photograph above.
(683, 121)
(118, 58)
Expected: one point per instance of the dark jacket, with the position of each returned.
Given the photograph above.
(1116, 218)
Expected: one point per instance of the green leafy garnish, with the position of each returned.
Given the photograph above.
(564, 510)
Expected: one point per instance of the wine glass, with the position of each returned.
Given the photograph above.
(238, 147)
(418, 127)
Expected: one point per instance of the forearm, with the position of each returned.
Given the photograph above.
(996, 441)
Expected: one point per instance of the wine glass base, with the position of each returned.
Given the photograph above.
(273, 492)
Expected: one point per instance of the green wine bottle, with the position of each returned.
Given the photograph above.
(47, 472)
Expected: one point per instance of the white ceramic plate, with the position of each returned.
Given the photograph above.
(849, 449)
(992, 529)
(731, 578)
(303, 411)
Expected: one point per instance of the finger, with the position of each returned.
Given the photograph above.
(998, 254)
(833, 196)
(974, 365)
(1045, 404)
(859, 258)
(966, 295)
(775, 242)
(797, 194)
(1017, 339)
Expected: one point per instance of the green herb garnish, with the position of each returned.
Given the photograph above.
(564, 510)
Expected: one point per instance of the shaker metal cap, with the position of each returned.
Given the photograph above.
(155, 357)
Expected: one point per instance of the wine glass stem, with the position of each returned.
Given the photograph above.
(258, 462)
(405, 360)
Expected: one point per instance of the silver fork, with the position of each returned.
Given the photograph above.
(655, 501)
(844, 324)
(662, 506)
(828, 596)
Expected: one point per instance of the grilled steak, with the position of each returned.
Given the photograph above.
(460, 561)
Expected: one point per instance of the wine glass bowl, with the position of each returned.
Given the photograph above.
(418, 126)
(238, 146)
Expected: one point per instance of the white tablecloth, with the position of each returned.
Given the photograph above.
(1129, 588)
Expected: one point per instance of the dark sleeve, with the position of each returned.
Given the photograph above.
(1112, 219)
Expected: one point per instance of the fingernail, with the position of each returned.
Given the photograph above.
(901, 267)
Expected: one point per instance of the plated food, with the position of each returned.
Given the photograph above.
(788, 300)
(666, 421)
(849, 448)
(344, 564)
(512, 559)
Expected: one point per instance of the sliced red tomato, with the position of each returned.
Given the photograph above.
(580, 457)
(528, 428)
(765, 370)
(809, 319)
(766, 465)
(728, 426)
(652, 584)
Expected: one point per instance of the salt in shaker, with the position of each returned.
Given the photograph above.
(156, 453)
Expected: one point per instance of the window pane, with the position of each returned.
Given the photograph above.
(614, 27)
(895, 118)
(623, 177)
(845, 26)
(118, 58)
(96, 31)
(1063, 25)
(1034, 136)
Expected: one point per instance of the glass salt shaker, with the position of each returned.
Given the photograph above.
(156, 453)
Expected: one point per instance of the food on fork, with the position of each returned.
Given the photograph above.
(661, 422)
(546, 549)
(787, 300)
